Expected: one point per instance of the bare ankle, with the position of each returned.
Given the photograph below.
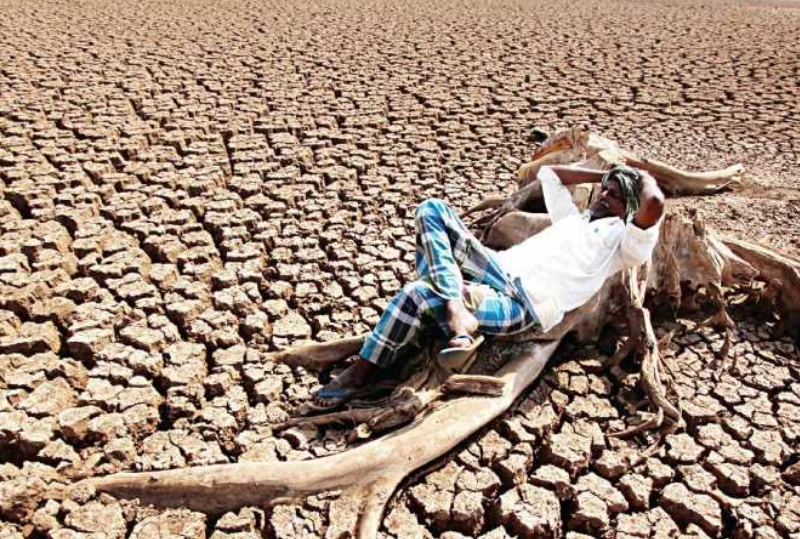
(455, 306)
(459, 318)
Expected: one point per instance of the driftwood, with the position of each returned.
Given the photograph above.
(427, 412)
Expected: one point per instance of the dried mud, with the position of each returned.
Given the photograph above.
(187, 186)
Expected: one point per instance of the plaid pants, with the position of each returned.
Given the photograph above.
(446, 253)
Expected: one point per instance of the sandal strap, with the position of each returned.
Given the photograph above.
(464, 337)
(333, 393)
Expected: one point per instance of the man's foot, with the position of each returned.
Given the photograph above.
(460, 322)
(342, 388)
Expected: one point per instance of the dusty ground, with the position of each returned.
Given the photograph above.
(177, 177)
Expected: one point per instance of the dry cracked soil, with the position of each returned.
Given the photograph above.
(186, 186)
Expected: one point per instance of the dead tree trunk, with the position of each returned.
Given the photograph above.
(687, 254)
(688, 261)
(368, 474)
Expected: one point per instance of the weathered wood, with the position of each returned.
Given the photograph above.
(319, 355)
(688, 259)
(782, 273)
(514, 228)
(580, 144)
(653, 374)
(474, 384)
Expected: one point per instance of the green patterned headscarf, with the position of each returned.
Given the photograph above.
(628, 180)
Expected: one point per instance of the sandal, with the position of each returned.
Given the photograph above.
(461, 358)
(338, 395)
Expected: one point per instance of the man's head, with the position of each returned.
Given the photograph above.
(619, 194)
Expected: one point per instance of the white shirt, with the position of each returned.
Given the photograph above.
(564, 265)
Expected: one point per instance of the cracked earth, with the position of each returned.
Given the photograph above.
(185, 187)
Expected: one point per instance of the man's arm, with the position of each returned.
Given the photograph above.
(557, 197)
(642, 234)
(576, 175)
(651, 202)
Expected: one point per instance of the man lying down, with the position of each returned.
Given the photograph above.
(471, 290)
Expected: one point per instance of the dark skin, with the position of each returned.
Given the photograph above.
(609, 203)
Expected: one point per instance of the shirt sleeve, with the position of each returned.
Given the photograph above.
(638, 244)
(557, 197)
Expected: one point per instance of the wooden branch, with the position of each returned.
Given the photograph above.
(579, 146)
(348, 416)
(675, 181)
(771, 264)
(576, 137)
(782, 272)
(474, 384)
(514, 228)
(652, 377)
(368, 474)
(316, 356)
(526, 199)
(642, 338)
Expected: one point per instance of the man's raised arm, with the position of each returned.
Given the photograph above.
(651, 202)
(576, 175)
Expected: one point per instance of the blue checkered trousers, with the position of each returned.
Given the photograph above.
(447, 253)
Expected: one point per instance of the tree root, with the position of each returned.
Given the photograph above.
(580, 144)
(317, 356)
(782, 273)
(408, 400)
(368, 473)
(720, 319)
(721, 356)
(687, 256)
(474, 384)
(653, 371)
(653, 423)
(680, 182)
(528, 199)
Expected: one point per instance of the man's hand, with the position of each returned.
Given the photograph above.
(651, 201)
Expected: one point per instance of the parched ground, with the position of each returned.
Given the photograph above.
(185, 186)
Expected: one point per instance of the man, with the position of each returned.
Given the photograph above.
(529, 286)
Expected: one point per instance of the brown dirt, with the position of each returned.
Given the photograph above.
(184, 187)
